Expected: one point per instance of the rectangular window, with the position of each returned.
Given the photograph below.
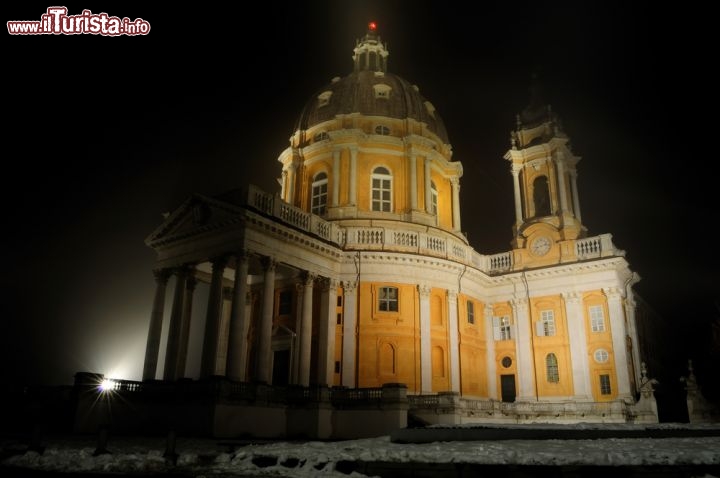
(319, 197)
(339, 301)
(388, 299)
(470, 312)
(285, 303)
(502, 328)
(381, 193)
(605, 388)
(339, 319)
(597, 320)
(546, 326)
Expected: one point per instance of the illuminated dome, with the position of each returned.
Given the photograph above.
(370, 91)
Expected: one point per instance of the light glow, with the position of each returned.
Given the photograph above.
(107, 385)
(372, 26)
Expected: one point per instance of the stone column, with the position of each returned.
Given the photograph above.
(618, 332)
(413, 182)
(561, 185)
(353, 176)
(190, 284)
(306, 329)
(518, 198)
(174, 329)
(490, 353)
(454, 341)
(632, 332)
(283, 184)
(264, 358)
(326, 332)
(576, 198)
(349, 326)
(455, 183)
(578, 346)
(524, 350)
(237, 342)
(428, 189)
(425, 343)
(212, 319)
(152, 349)
(292, 168)
(336, 178)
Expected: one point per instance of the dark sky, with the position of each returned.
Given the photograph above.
(102, 135)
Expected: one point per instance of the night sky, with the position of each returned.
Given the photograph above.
(102, 135)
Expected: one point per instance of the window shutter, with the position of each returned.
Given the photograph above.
(496, 328)
(539, 328)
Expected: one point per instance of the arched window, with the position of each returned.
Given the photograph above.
(541, 196)
(381, 190)
(433, 198)
(551, 366)
(319, 194)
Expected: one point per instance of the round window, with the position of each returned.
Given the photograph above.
(506, 362)
(601, 355)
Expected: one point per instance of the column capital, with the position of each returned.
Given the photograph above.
(452, 295)
(161, 276)
(519, 303)
(515, 169)
(191, 282)
(241, 255)
(329, 283)
(424, 290)
(268, 262)
(612, 293)
(227, 293)
(455, 182)
(488, 309)
(308, 278)
(349, 286)
(219, 262)
(570, 297)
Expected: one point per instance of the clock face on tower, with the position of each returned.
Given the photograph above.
(540, 246)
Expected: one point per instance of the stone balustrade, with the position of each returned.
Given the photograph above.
(397, 238)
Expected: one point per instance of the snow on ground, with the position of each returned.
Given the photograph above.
(315, 458)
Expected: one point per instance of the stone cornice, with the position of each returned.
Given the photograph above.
(288, 234)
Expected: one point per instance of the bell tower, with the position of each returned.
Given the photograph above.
(547, 206)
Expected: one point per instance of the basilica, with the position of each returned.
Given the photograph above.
(356, 275)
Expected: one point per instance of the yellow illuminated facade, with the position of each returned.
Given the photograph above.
(357, 273)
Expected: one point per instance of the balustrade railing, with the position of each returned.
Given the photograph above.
(403, 240)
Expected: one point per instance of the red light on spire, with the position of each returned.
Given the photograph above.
(372, 26)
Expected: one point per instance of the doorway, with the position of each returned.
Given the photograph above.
(507, 387)
(281, 367)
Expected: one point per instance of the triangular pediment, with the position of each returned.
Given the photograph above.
(197, 215)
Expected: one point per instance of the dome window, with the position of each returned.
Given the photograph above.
(382, 91)
(321, 136)
(382, 129)
(324, 98)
